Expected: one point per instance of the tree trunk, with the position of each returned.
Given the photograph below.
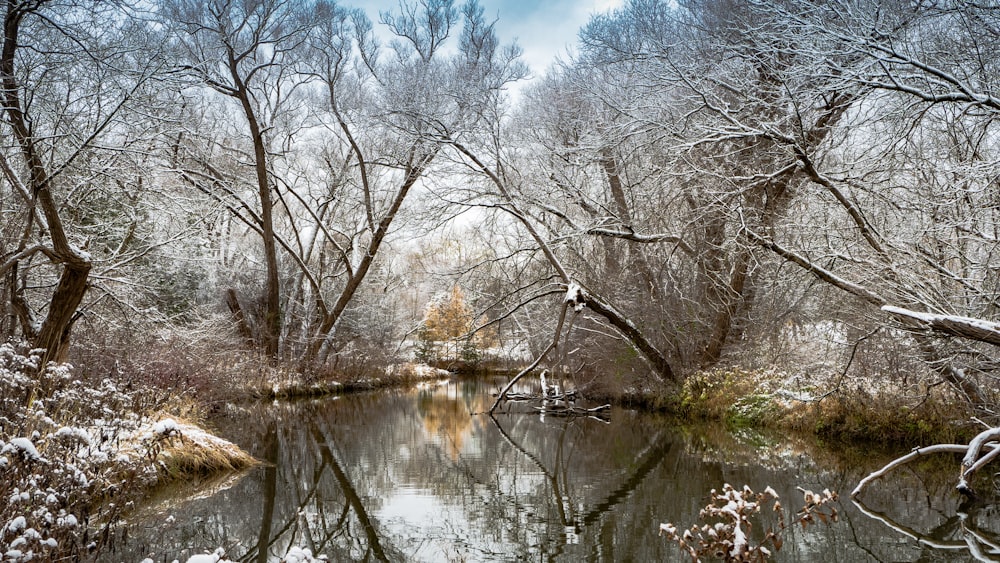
(413, 173)
(271, 327)
(729, 300)
(54, 335)
(55, 330)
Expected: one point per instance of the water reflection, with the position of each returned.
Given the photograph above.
(414, 476)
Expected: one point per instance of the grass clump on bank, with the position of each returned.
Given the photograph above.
(855, 410)
(76, 456)
(183, 451)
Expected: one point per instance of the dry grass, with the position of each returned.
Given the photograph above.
(189, 451)
(842, 408)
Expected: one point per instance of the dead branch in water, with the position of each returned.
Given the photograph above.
(973, 460)
(572, 410)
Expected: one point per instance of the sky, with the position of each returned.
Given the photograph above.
(545, 29)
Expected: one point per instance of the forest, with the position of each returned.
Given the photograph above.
(199, 197)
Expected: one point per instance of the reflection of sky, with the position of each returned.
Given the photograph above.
(434, 529)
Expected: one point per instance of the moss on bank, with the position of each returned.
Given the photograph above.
(761, 398)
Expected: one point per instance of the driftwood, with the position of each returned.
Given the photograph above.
(559, 404)
(983, 449)
(568, 396)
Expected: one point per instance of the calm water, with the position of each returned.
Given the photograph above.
(410, 475)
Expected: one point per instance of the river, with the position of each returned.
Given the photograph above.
(413, 475)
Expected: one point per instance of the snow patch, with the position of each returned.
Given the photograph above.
(166, 427)
(208, 557)
(17, 524)
(24, 447)
(74, 432)
(575, 296)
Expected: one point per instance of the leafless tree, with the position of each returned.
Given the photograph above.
(246, 51)
(72, 75)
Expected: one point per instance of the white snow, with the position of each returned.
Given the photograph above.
(166, 427)
(925, 317)
(208, 557)
(972, 322)
(575, 296)
(24, 446)
(299, 555)
(17, 524)
(74, 432)
(739, 540)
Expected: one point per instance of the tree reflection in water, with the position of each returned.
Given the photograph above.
(414, 476)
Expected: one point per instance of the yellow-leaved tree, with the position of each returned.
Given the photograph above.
(445, 333)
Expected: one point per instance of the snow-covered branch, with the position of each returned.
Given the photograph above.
(965, 327)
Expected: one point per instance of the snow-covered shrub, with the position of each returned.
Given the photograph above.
(72, 456)
(730, 517)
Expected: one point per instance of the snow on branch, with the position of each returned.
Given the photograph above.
(575, 297)
(632, 236)
(966, 327)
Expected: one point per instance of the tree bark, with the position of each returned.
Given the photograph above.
(271, 327)
(73, 281)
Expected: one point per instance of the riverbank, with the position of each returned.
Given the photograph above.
(834, 409)
(77, 456)
(293, 385)
(838, 410)
(82, 453)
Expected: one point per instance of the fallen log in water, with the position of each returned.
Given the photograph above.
(569, 396)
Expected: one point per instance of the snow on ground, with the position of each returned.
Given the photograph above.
(98, 454)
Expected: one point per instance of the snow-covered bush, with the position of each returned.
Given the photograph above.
(73, 457)
(730, 517)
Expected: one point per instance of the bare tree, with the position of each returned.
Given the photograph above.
(67, 135)
(247, 52)
(386, 113)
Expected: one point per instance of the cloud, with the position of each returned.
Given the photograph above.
(545, 30)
